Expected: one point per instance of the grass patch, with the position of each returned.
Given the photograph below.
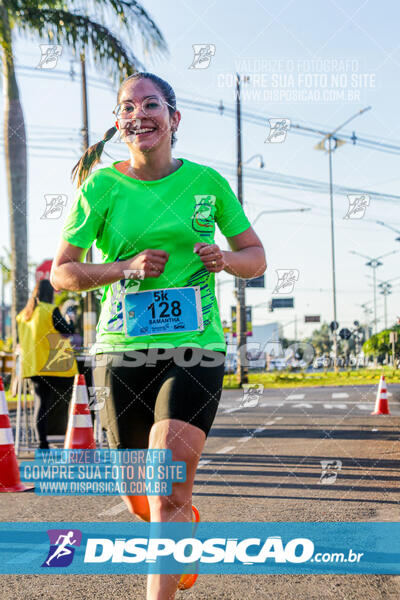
(287, 379)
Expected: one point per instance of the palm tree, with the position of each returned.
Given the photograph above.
(61, 22)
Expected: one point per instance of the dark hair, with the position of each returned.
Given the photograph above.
(42, 292)
(93, 154)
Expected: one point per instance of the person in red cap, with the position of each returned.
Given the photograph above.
(160, 346)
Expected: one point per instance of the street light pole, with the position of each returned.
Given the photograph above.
(241, 284)
(89, 314)
(366, 313)
(374, 263)
(330, 149)
(330, 137)
(386, 287)
(386, 290)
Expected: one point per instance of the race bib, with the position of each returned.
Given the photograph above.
(169, 310)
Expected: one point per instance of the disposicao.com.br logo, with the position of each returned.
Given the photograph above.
(213, 547)
(213, 550)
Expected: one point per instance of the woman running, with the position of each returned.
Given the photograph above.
(160, 347)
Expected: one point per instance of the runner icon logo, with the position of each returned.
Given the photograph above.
(61, 550)
(98, 397)
(286, 280)
(358, 204)
(278, 129)
(251, 394)
(203, 54)
(330, 470)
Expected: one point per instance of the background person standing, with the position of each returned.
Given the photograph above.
(47, 359)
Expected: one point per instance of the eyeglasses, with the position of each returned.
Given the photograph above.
(151, 107)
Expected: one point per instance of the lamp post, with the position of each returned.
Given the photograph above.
(391, 228)
(261, 160)
(367, 312)
(374, 263)
(283, 210)
(386, 290)
(329, 143)
(89, 312)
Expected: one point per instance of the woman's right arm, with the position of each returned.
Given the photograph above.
(69, 272)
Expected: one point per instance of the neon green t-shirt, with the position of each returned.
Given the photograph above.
(126, 216)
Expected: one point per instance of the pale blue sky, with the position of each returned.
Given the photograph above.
(275, 43)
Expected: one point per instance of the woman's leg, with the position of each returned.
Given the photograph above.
(41, 406)
(186, 442)
(128, 413)
(185, 410)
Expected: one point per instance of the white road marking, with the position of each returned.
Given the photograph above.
(115, 510)
(295, 397)
(340, 395)
(231, 410)
(341, 406)
(270, 422)
(302, 405)
(246, 438)
(364, 406)
(259, 429)
(271, 403)
(225, 450)
(202, 463)
(278, 418)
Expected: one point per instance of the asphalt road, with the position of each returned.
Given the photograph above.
(261, 463)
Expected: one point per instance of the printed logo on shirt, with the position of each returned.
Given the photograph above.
(203, 214)
(61, 355)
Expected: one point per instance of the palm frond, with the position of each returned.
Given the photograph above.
(81, 32)
(132, 16)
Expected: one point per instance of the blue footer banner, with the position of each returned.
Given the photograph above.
(208, 548)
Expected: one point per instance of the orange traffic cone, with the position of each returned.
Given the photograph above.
(9, 472)
(381, 404)
(80, 428)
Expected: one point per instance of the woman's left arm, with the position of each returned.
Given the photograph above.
(246, 259)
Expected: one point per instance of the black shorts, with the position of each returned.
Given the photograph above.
(143, 387)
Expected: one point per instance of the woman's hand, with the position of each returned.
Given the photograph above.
(211, 256)
(149, 263)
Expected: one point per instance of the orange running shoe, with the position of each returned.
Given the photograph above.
(188, 580)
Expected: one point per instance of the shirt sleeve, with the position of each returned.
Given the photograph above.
(60, 324)
(229, 214)
(87, 214)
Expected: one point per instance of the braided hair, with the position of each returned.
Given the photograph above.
(93, 154)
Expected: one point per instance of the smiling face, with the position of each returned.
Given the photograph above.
(146, 129)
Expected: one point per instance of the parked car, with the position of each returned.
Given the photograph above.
(277, 364)
(322, 362)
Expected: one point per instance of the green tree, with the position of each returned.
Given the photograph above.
(321, 339)
(379, 344)
(61, 22)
